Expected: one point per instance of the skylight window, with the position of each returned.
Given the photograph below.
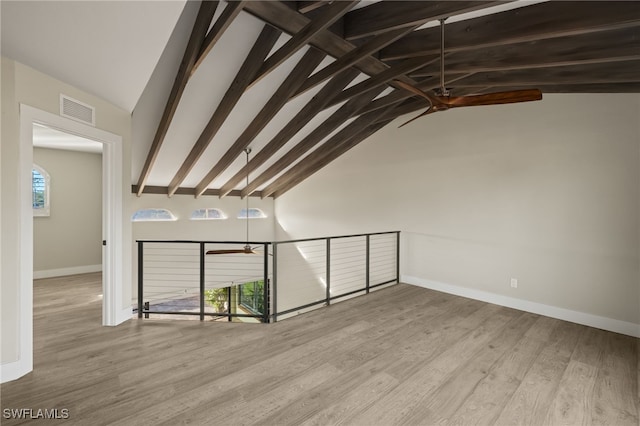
(153, 215)
(208, 214)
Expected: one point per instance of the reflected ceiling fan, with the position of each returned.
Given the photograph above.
(247, 249)
(443, 101)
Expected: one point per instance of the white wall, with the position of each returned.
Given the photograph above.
(230, 229)
(75, 222)
(21, 84)
(546, 192)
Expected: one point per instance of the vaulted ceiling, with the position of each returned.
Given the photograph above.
(355, 61)
(301, 83)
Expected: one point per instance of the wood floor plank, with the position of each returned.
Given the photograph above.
(400, 355)
(532, 399)
(572, 403)
(616, 384)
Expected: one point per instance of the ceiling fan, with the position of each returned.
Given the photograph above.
(444, 101)
(247, 249)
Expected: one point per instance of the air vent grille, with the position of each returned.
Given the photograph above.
(76, 110)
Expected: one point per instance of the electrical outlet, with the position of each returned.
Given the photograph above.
(514, 283)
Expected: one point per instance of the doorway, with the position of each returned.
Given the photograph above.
(114, 310)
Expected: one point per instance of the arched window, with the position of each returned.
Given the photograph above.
(153, 215)
(40, 191)
(251, 213)
(208, 214)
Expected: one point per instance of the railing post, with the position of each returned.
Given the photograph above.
(265, 284)
(140, 277)
(367, 263)
(274, 282)
(398, 256)
(202, 281)
(229, 290)
(328, 278)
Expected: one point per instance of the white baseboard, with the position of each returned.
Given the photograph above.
(63, 272)
(14, 370)
(124, 315)
(604, 323)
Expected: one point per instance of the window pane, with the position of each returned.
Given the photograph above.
(40, 182)
(153, 215)
(253, 214)
(208, 214)
(39, 186)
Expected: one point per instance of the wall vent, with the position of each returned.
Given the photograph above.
(76, 110)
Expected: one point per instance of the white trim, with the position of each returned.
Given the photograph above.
(124, 315)
(604, 323)
(14, 370)
(63, 272)
(113, 272)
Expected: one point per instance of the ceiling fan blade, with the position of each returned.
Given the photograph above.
(496, 98)
(434, 100)
(227, 251)
(428, 111)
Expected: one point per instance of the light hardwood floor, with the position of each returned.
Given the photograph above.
(402, 355)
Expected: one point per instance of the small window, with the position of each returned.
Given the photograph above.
(252, 213)
(208, 214)
(153, 215)
(40, 185)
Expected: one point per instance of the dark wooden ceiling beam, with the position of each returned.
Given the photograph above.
(536, 22)
(605, 46)
(382, 78)
(288, 20)
(389, 15)
(336, 119)
(263, 45)
(163, 190)
(353, 57)
(600, 73)
(309, 6)
(401, 94)
(361, 128)
(230, 12)
(305, 66)
(328, 16)
(191, 54)
(313, 107)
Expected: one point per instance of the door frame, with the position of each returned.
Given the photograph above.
(113, 279)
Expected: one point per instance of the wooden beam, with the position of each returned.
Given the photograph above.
(340, 149)
(265, 42)
(307, 64)
(288, 20)
(401, 94)
(604, 46)
(198, 33)
(308, 6)
(328, 16)
(164, 190)
(530, 23)
(601, 73)
(338, 118)
(389, 15)
(313, 107)
(345, 139)
(351, 58)
(229, 13)
(382, 78)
